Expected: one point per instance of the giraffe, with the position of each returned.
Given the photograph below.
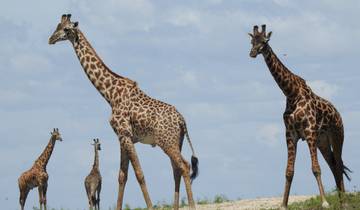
(307, 116)
(135, 117)
(93, 180)
(37, 176)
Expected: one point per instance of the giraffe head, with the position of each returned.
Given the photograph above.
(55, 134)
(65, 30)
(259, 40)
(97, 144)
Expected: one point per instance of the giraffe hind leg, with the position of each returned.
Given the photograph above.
(337, 140)
(324, 146)
(177, 176)
(184, 167)
(177, 180)
(311, 141)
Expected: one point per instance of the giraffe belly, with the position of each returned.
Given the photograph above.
(32, 184)
(149, 139)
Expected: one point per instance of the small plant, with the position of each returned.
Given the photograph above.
(220, 198)
(127, 207)
(183, 202)
(203, 201)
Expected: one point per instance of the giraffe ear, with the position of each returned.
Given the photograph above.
(252, 36)
(76, 24)
(269, 35)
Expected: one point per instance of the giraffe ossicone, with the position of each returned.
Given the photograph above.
(136, 117)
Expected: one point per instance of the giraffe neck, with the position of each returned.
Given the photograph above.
(43, 159)
(287, 81)
(96, 160)
(98, 73)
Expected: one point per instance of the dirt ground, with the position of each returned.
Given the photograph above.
(251, 204)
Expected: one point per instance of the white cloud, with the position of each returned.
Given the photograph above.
(189, 78)
(119, 16)
(270, 134)
(30, 63)
(209, 112)
(282, 3)
(13, 96)
(185, 17)
(323, 88)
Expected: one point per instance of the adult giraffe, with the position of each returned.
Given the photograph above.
(135, 116)
(307, 116)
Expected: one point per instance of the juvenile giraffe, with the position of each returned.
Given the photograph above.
(307, 117)
(135, 117)
(37, 176)
(93, 180)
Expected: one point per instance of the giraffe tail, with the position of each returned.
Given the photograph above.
(194, 159)
(346, 172)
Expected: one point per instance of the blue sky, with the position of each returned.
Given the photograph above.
(192, 54)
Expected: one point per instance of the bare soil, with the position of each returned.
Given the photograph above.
(251, 204)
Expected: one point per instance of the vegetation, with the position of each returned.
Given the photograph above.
(352, 202)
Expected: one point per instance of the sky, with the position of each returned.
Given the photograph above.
(193, 55)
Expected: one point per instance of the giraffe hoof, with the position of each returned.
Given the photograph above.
(325, 205)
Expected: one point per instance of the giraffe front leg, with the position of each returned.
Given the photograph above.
(291, 148)
(311, 140)
(98, 196)
(44, 195)
(123, 174)
(128, 145)
(41, 194)
(23, 195)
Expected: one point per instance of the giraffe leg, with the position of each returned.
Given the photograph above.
(184, 167)
(311, 140)
(177, 180)
(123, 174)
(131, 152)
(41, 194)
(177, 176)
(23, 195)
(291, 148)
(98, 197)
(87, 188)
(44, 195)
(325, 149)
(337, 139)
(93, 200)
